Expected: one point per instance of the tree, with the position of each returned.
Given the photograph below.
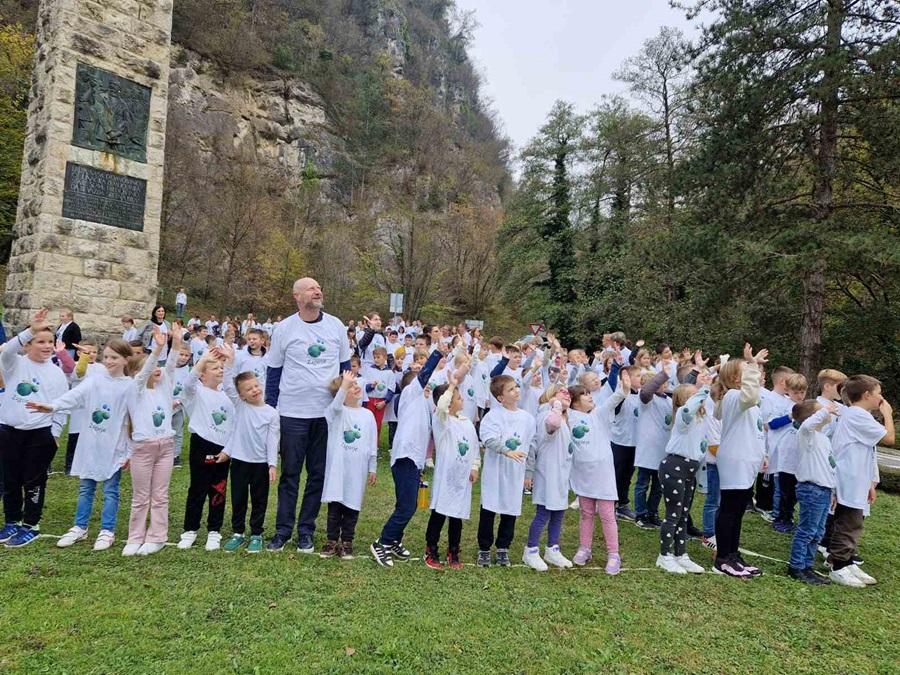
(781, 90)
(549, 161)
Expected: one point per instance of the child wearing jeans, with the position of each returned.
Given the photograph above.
(855, 437)
(815, 486)
(350, 462)
(101, 454)
(457, 460)
(547, 476)
(506, 432)
(678, 473)
(211, 417)
(654, 423)
(593, 475)
(252, 449)
(408, 459)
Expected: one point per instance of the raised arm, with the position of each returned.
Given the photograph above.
(816, 421)
(648, 391)
(688, 411)
(500, 367)
(428, 368)
(150, 362)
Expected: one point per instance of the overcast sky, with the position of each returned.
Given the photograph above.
(532, 52)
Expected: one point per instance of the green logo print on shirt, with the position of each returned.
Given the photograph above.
(28, 388)
(101, 414)
(159, 416)
(462, 448)
(514, 442)
(177, 390)
(352, 435)
(219, 416)
(580, 431)
(315, 350)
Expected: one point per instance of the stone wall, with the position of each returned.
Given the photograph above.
(100, 271)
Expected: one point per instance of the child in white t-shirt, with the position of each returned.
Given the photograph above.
(456, 468)
(252, 449)
(350, 464)
(854, 441)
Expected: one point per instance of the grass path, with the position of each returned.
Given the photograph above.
(77, 611)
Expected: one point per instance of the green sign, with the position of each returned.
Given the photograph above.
(111, 113)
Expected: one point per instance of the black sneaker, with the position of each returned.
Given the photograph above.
(754, 571)
(644, 522)
(856, 560)
(305, 544)
(177, 463)
(503, 558)
(381, 554)
(655, 520)
(484, 559)
(277, 543)
(398, 551)
(694, 533)
(815, 579)
(730, 567)
(795, 573)
(624, 513)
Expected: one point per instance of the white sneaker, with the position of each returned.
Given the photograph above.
(131, 550)
(104, 540)
(823, 551)
(213, 541)
(867, 579)
(669, 564)
(149, 548)
(532, 558)
(845, 577)
(187, 540)
(554, 556)
(575, 505)
(688, 565)
(429, 463)
(70, 537)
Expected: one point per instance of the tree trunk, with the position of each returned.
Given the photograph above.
(814, 278)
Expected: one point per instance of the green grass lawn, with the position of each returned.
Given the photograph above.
(78, 611)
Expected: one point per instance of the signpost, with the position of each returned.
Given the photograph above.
(397, 303)
(472, 324)
(538, 329)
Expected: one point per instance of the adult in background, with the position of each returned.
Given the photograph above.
(180, 303)
(158, 320)
(309, 349)
(68, 331)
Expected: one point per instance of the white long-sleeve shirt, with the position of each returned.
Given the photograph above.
(150, 410)
(28, 380)
(211, 411)
(815, 460)
(256, 431)
(352, 452)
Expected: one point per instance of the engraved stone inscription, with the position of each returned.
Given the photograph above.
(104, 197)
(111, 113)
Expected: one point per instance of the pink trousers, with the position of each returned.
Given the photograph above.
(151, 470)
(606, 510)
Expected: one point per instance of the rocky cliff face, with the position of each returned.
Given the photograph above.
(281, 123)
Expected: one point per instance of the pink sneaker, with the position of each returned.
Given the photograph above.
(613, 564)
(582, 556)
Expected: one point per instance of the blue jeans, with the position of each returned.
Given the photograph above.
(179, 310)
(815, 501)
(86, 490)
(644, 506)
(711, 505)
(406, 489)
(302, 441)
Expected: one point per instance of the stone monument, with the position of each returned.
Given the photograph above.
(90, 200)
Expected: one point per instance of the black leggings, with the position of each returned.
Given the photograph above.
(787, 484)
(505, 531)
(623, 461)
(677, 475)
(341, 522)
(732, 505)
(436, 524)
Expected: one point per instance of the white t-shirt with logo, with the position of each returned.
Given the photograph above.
(853, 444)
(310, 354)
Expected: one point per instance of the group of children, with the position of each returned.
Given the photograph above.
(547, 420)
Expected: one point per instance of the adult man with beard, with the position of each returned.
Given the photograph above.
(309, 349)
